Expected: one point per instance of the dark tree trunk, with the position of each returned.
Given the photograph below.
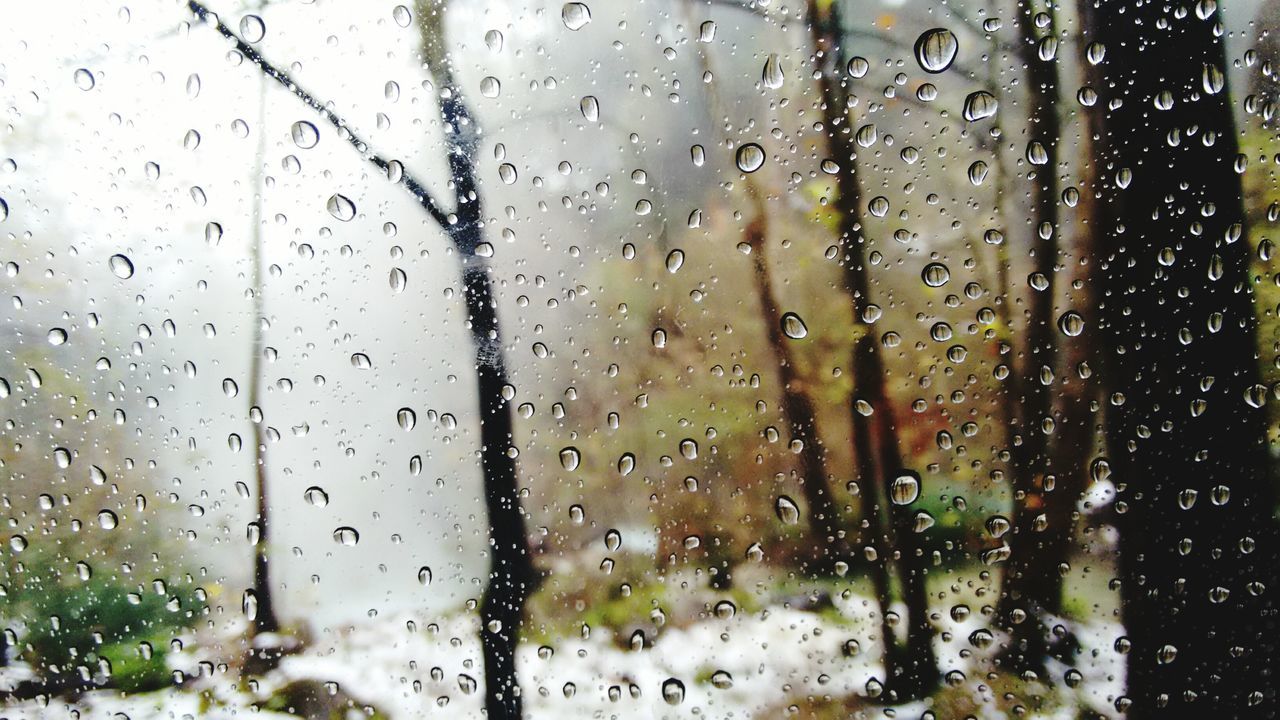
(1030, 398)
(912, 673)
(1195, 500)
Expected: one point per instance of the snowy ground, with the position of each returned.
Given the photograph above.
(410, 668)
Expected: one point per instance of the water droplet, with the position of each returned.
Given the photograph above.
(398, 280)
(18, 543)
(858, 67)
(252, 29)
(935, 275)
(672, 691)
(360, 361)
(904, 489)
(980, 105)
(1071, 323)
(346, 536)
(590, 108)
(121, 266)
(998, 525)
(191, 140)
(707, 31)
(612, 540)
(575, 15)
(402, 16)
(107, 520)
(750, 157)
(773, 74)
(490, 87)
(1213, 79)
(304, 134)
(721, 680)
(936, 49)
(84, 79)
(793, 327)
(570, 458)
(406, 418)
(493, 40)
(62, 458)
(787, 511)
(424, 575)
(341, 207)
(56, 336)
(675, 259)
(316, 496)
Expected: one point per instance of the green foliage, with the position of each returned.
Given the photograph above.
(75, 623)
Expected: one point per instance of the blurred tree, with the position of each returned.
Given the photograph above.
(1185, 434)
(1029, 383)
(911, 671)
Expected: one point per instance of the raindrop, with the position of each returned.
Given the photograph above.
(858, 67)
(57, 336)
(107, 520)
(397, 279)
(793, 327)
(935, 274)
(406, 418)
(773, 74)
(750, 157)
(1071, 323)
(490, 87)
(675, 259)
(84, 79)
(493, 39)
(707, 31)
(424, 575)
(570, 458)
(252, 28)
(936, 49)
(672, 691)
(402, 16)
(360, 361)
(316, 496)
(575, 15)
(121, 266)
(590, 108)
(980, 105)
(346, 536)
(341, 207)
(787, 511)
(904, 490)
(304, 134)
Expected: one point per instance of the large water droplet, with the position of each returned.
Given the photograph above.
(107, 520)
(575, 15)
(904, 490)
(935, 274)
(252, 29)
(84, 79)
(750, 157)
(787, 510)
(590, 108)
(347, 536)
(570, 458)
(121, 266)
(1071, 323)
(316, 496)
(773, 74)
(672, 691)
(402, 16)
(304, 134)
(406, 418)
(341, 207)
(936, 49)
(793, 327)
(980, 105)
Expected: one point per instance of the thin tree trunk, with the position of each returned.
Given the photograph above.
(824, 517)
(265, 620)
(1031, 399)
(914, 673)
(1187, 445)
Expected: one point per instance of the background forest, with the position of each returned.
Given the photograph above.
(674, 358)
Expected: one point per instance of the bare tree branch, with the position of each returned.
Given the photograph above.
(409, 182)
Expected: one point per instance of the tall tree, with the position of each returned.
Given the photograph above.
(911, 671)
(1186, 440)
(264, 615)
(799, 413)
(511, 572)
(1030, 398)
